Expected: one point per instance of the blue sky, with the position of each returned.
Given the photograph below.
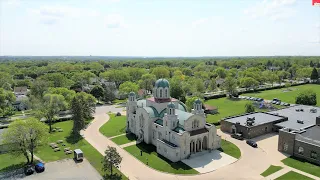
(159, 27)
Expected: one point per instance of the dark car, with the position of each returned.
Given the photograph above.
(28, 170)
(237, 136)
(39, 167)
(252, 143)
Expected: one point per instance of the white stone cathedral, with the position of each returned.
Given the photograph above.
(164, 122)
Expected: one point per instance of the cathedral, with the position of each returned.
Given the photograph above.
(165, 122)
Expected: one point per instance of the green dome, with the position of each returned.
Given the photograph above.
(171, 105)
(132, 94)
(162, 83)
(198, 101)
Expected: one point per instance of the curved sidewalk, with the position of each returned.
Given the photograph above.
(249, 166)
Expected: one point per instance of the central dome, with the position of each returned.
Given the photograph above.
(162, 83)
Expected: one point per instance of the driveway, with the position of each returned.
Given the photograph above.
(249, 166)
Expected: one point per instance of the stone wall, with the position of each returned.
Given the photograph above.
(307, 148)
(286, 139)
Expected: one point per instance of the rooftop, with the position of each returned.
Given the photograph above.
(308, 118)
(162, 100)
(260, 118)
(310, 135)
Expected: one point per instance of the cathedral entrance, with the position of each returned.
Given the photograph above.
(140, 136)
(198, 148)
(192, 147)
(205, 143)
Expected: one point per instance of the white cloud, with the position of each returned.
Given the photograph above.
(53, 14)
(13, 2)
(115, 21)
(272, 9)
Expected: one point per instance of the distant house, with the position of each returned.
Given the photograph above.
(20, 103)
(23, 90)
(210, 109)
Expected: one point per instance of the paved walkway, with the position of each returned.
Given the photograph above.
(128, 144)
(287, 169)
(252, 162)
(117, 136)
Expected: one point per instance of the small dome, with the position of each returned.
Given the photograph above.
(132, 94)
(171, 105)
(198, 101)
(162, 83)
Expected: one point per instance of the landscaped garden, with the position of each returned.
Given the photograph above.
(302, 165)
(124, 139)
(158, 162)
(115, 126)
(291, 175)
(230, 149)
(285, 95)
(272, 169)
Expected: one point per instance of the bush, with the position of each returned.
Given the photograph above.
(307, 97)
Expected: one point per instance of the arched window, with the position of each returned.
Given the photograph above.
(161, 93)
(166, 123)
(300, 150)
(166, 93)
(172, 124)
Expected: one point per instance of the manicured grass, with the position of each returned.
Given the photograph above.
(115, 126)
(291, 175)
(9, 162)
(289, 96)
(302, 165)
(272, 169)
(124, 139)
(47, 154)
(230, 149)
(157, 161)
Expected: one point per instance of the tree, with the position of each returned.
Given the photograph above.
(109, 93)
(6, 99)
(147, 81)
(176, 90)
(314, 75)
(50, 107)
(66, 93)
(307, 97)
(111, 158)
(25, 136)
(57, 80)
(287, 85)
(230, 85)
(118, 76)
(128, 87)
(39, 87)
(221, 72)
(249, 108)
(272, 78)
(82, 108)
(212, 85)
(161, 72)
(97, 92)
(248, 82)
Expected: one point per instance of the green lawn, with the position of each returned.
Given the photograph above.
(115, 126)
(157, 161)
(90, 153)
(230, 149)
(124, 139)
(302, 165)
(119, 101)
(289, 96)
(9, 162)
(272, 169)
(226, 107)
(291, 175)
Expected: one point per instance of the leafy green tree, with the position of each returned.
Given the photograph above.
(97, 92)
(50, 107)
(6, 99)
(109, 93)
(314, 75)
(39, 87)
(118, 76)
(66, 93)
(212, 85)
(307, 97)
(135, 73)
(221, 72)
(230, 85)
(56, 80)
(248, 82)
(127, 87)
(5, 78)
(25, 136)
(111, 158)
(249, 108)
(147, 81)
(176, 90)
(83, 78)
(161, 72)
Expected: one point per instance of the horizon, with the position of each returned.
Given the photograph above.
(122, 28)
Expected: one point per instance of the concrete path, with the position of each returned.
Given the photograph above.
(128, 144)
(251, 164)
(287, 169)
(117, 136)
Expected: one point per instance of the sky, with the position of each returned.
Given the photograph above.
(159, 28)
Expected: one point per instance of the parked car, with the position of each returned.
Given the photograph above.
(278, 103)
(39, 167)
(237, 136)
(28, 170)
(252, 143)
